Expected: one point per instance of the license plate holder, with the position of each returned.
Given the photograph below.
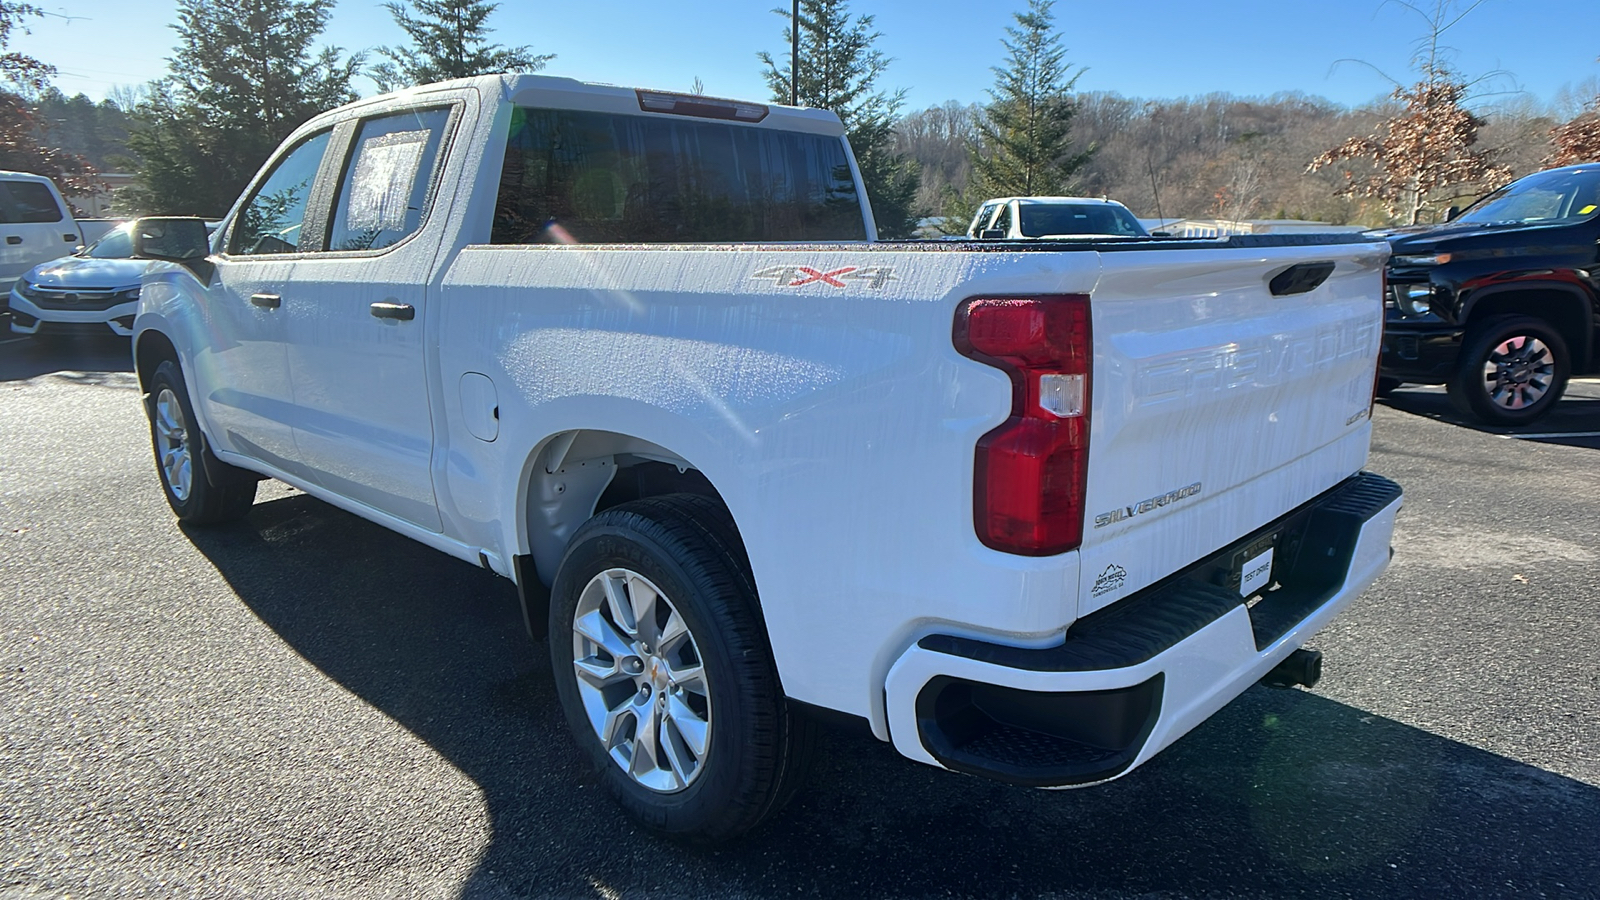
(1250, 567)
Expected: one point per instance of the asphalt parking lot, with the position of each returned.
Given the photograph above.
(309, 706)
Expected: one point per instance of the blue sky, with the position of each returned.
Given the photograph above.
(943, 49)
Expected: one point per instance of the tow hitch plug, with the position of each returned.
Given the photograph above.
(1302, 667)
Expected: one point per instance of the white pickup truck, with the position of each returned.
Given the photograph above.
(1029, 510)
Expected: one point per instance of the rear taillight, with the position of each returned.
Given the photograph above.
(1030, 473)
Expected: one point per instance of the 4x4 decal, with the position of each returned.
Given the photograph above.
(799, 276)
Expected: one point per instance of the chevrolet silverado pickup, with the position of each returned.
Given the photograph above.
(1028, 510)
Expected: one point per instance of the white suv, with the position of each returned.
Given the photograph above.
(1022, 218)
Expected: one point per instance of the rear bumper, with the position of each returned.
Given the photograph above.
(1132, 678)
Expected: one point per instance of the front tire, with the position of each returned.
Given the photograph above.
(201, 489)
(663, 669)
(1511, 371)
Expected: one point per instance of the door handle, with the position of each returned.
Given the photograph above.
(266, 301)
(13, 239)
(405, 312)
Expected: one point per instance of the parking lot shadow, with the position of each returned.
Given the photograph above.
(22, 358)
(1282, 793)
(1574, 421)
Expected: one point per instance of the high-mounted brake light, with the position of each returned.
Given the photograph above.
(1030, 474)
(702, 107)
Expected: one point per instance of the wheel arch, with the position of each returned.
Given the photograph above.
(1568, 309)
(151, 348)
(568, 478)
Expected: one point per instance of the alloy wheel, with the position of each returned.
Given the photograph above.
(641, 680)
(1519, 372)
(172, 445)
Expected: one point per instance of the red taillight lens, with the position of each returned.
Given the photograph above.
(1030, 473)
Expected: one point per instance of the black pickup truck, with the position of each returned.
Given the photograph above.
(1502, 303)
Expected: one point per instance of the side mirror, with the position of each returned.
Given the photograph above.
(992, 234)
(1451, 213)
(179, 240)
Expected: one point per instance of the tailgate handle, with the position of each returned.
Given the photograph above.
(1300, 278)
(13, 239)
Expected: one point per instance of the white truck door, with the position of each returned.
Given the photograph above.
(34, 227)
(356, 320)
(241, 372)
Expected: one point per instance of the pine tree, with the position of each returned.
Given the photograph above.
(448, 40)
(244, 76)
(96, 131)
(839, 70)
(1025, 148)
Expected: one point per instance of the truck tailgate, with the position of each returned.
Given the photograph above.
(1218, 406)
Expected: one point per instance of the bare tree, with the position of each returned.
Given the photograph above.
(1424, 155)
(1577, 140)
(1240, 194)
(938, 138)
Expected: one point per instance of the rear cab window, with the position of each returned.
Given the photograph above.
(579, 177)
(1042, 219)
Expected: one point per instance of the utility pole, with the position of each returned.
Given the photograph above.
(794, 55)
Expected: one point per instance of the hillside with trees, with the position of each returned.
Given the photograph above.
(245, 73)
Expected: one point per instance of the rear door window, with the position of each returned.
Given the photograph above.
(28, 201)
(588, 177)
(386, 188)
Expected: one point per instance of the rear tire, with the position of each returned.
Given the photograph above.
(201, 489)
(1511, 371)
(663, 669)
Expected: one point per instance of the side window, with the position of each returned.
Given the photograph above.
(270, 220)
(384, 193)
(27, 201)
(1003, 221)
